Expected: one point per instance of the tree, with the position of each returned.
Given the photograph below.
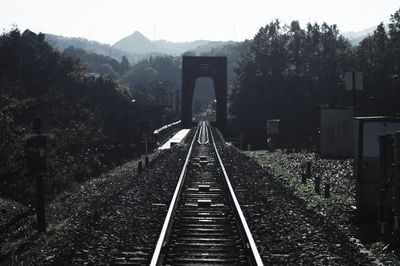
(124, 65)
(394, 42)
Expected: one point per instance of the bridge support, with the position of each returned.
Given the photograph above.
(194, 67)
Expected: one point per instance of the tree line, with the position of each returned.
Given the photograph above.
(291, 72)
(286, 72)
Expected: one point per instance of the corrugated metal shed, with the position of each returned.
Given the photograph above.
(337, 132)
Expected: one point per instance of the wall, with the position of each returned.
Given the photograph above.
(337, 133)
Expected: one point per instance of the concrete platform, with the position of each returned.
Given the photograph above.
(178, 137)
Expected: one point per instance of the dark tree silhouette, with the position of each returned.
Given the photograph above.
(94, 120)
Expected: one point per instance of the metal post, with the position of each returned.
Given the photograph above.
(383, 144)
(354, 94)
(397, 180)
(146, 161)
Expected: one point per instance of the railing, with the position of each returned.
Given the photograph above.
(163, 133)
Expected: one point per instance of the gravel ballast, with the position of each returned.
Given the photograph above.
(109, 218)
(286, 229)
(118, 217)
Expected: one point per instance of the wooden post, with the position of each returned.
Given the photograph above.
(40, 208)
(146, 161)
(308, 170)
(140, 167)
(40, 191)
(327, 189)
(35, 150)
(303, 178)
(317, 184)
(241, 140)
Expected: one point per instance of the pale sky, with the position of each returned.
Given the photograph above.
(185, 20)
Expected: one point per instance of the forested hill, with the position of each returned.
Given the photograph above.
(355, 37)
(135, 47)
(96, 122)
(100, 64)
(92, 47)
(139, 44)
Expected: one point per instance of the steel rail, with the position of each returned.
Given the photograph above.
(172, 207)
(203, 134)
(251, 242)
(207, 137)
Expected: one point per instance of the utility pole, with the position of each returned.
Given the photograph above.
(354, 82)
(37, 150)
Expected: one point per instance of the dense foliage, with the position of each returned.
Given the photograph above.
(378, 56)
(290, 72)
(96, 122)
(96, 63)
(159, 80)
(149, 72)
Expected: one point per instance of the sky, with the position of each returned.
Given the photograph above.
(185, 20)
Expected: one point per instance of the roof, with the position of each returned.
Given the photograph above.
(378, 118)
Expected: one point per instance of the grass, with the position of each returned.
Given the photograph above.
(339, 208)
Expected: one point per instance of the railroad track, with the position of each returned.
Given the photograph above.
(204, 224)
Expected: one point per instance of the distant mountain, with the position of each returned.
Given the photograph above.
(135, 47)
(179, 47)
(209, 47)
(137, 43)
(61, 43)
(355, 37)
